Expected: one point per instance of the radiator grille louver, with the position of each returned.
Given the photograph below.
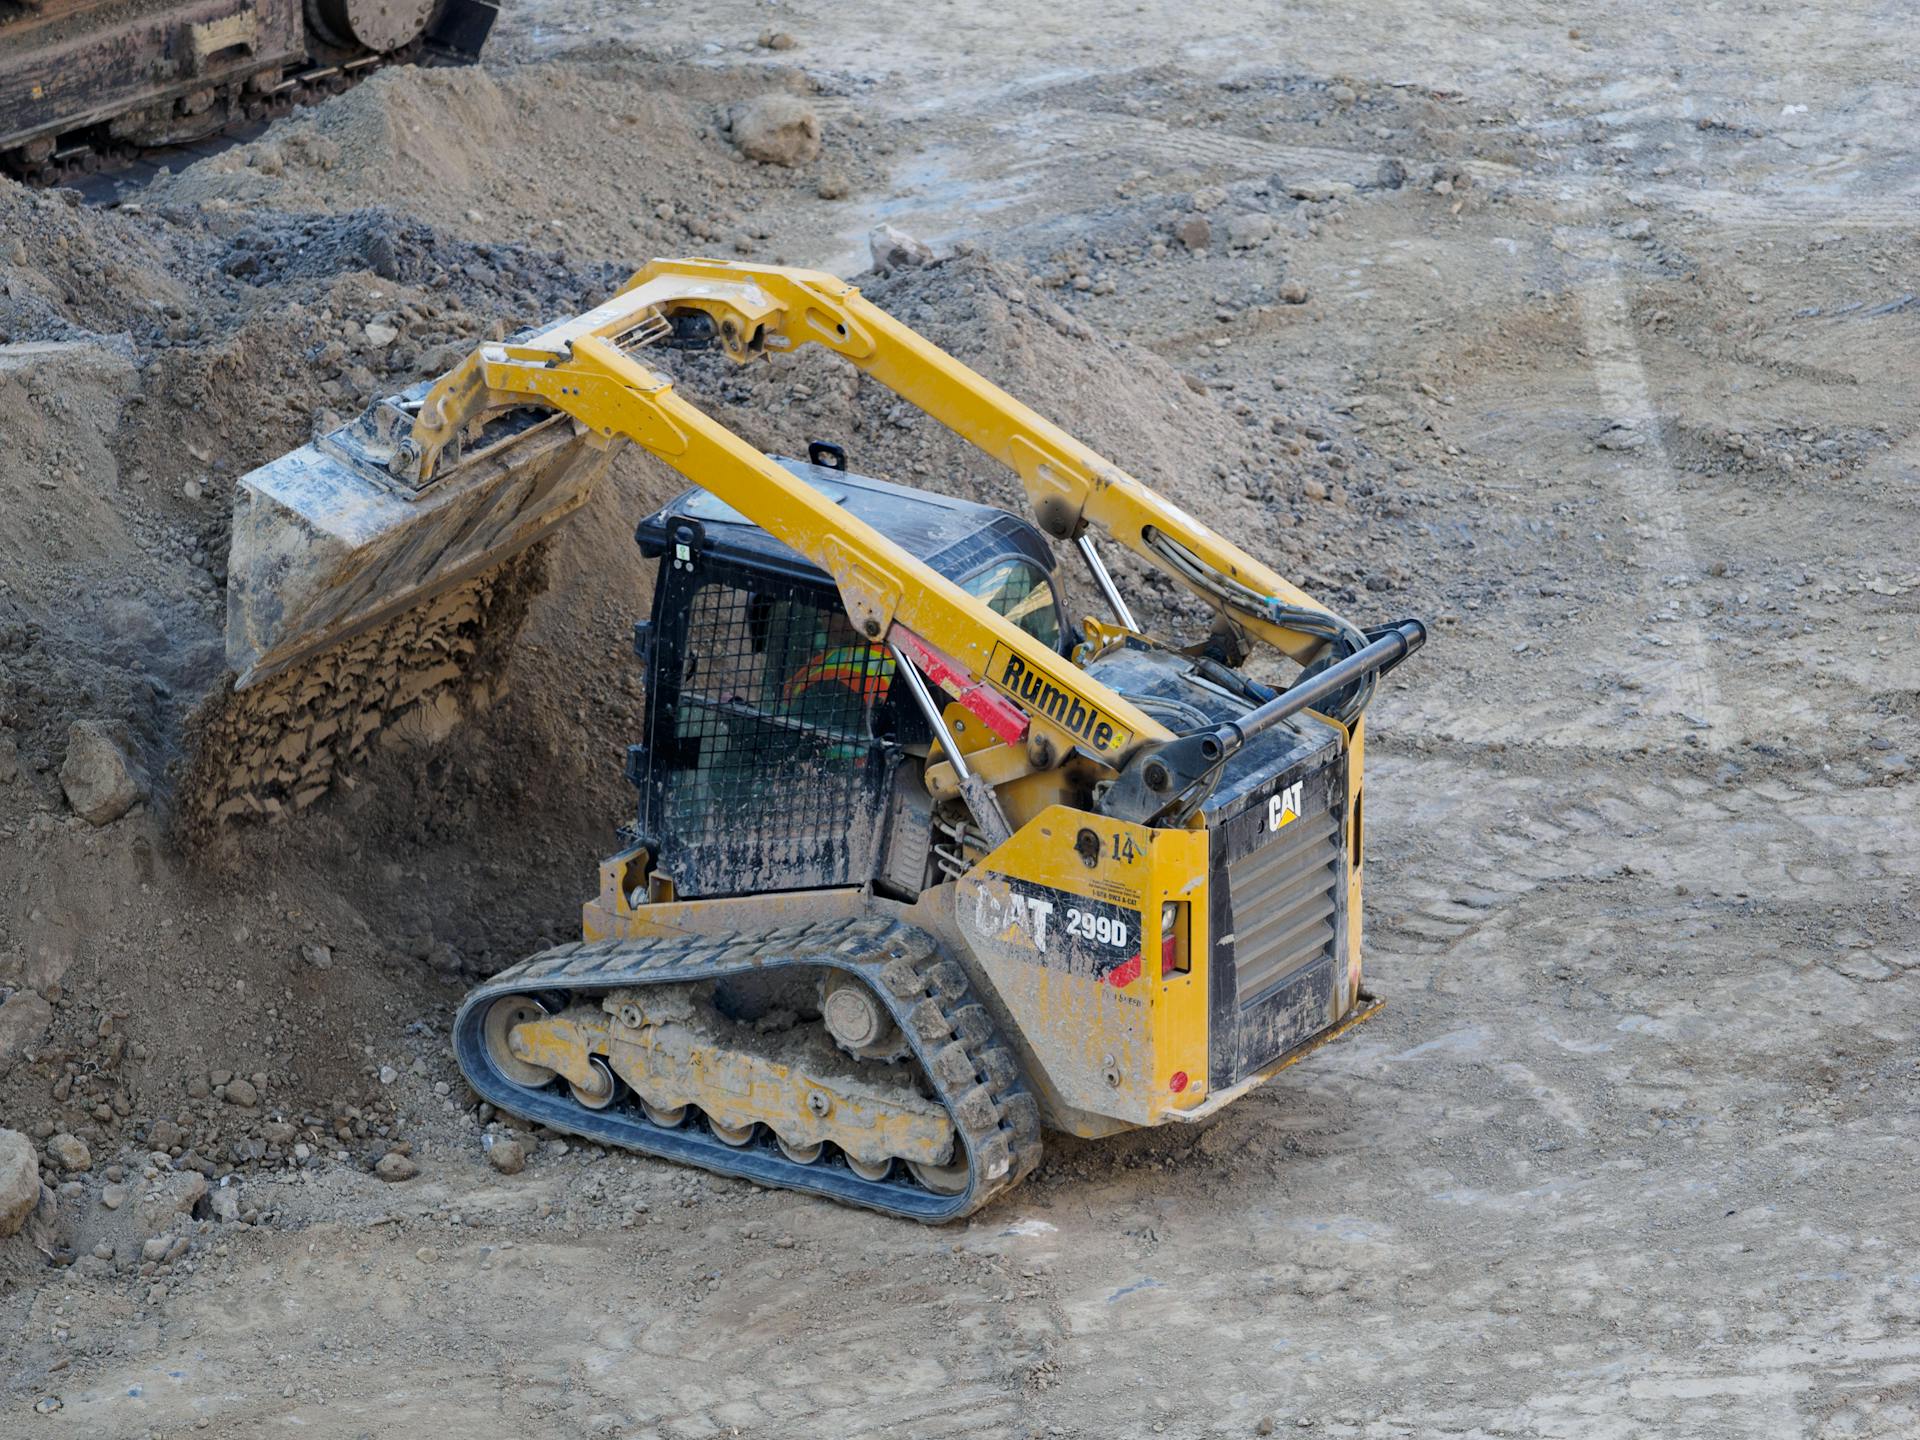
(1284, 902)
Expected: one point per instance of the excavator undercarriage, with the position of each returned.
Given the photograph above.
(918, 867)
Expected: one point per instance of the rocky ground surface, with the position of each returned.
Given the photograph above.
(1593, 342)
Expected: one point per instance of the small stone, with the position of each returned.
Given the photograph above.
(1193, 231)
(70, 1152)
(426, 1255)
(1244, 232)
(1293, 293)
(893, 249)
(19, 1181)
(242, 1093)
(320, 957)
(46, 1405)
(113, 1196)
(198, 1087)
(395, 1168)
(175, 1194)
(380, 334)
(776, 40)
(303, 1153)
(193, 489)
(1320, 191)
(388, 1074)
(1391, 174)
(777, 130)
(381, 258)
(224, 1202)
(833, 186)
(156, 1247)
(1342, 94)
(1264, 1425)
(100, 782)
(509, 1157)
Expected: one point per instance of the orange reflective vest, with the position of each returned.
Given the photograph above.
(865, 670)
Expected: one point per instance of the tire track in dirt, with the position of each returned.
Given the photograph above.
(1505, 837)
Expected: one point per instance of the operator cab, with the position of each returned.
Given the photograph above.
(781, 750)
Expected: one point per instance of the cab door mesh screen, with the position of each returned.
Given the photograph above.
(767, 738)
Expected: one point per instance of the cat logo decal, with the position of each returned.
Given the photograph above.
(1283, 806)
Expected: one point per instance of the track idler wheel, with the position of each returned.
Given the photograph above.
(502, 1016)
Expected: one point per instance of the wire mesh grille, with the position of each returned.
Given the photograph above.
(768, 742)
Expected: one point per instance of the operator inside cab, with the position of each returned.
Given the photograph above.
(837, 686)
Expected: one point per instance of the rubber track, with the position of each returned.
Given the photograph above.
(960, 1050)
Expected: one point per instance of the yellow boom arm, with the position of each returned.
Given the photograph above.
(585, 368)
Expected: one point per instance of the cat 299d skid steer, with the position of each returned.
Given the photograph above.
(918, 869)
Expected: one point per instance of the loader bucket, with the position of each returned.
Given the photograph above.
(328, 542)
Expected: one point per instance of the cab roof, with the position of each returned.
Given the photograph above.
(954, 537)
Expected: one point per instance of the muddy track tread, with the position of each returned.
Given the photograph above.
(954, 1040)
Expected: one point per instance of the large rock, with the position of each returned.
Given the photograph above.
(102, 784)
(19, 1181)
(24, 1018)
(893, 249)
(777, 129)
(395, 1168)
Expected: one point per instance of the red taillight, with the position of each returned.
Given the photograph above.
(1174, 956)
(1178, 1082)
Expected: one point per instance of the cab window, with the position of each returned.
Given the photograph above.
(1018, 590)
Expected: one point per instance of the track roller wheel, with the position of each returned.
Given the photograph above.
(502, 1016)
(876, 1170)
(667, 1117)
(603, 1093)
(735, 1136)
(800, 1154)
(940, 1179)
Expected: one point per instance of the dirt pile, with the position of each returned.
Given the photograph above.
(617, 161)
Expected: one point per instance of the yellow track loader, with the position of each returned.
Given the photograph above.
(918, 869)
